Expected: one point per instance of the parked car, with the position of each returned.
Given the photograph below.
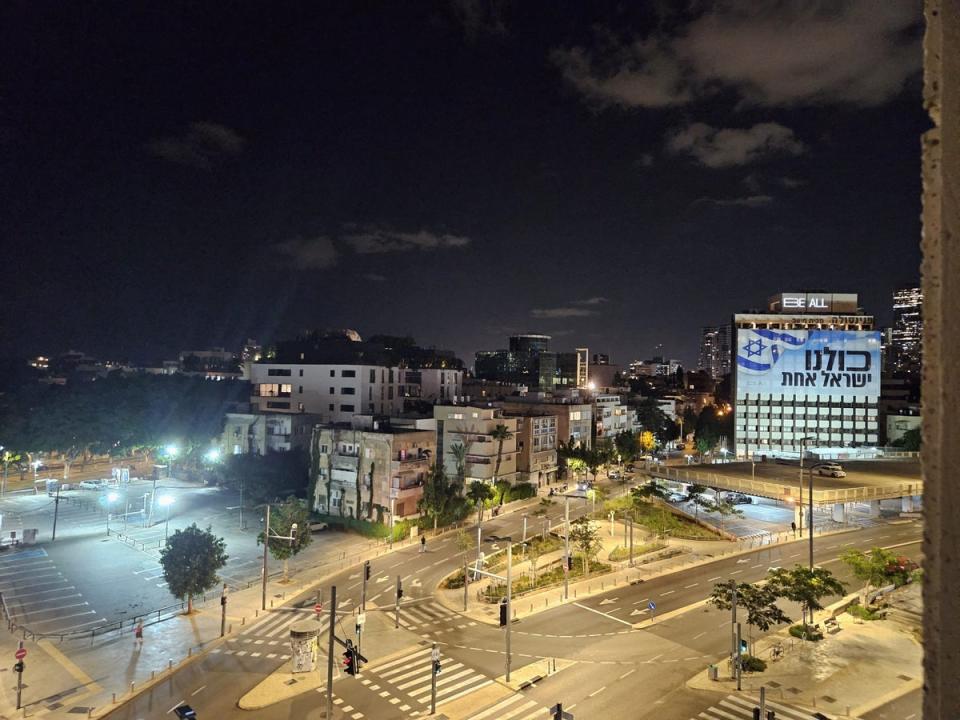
(676, 497)
(830, 470)
(90, 484)
(318, 526)
(736, 498)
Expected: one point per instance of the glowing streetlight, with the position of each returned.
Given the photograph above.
(172, 450)
(165, 502)
(212, 455)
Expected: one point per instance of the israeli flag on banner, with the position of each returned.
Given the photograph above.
(759, 349)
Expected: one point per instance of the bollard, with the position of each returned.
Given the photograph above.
(243, 620)
(271, 603)
(169, 664)
(131, 688)
(152, 674)
(189, 652)
(231, 629)
(114, 698)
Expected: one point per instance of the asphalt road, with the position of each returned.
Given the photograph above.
(860, 473)
(616, 666)
(908, 707)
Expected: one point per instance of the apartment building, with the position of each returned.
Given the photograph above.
(371, 474)
(335, 393)
(613, 416)
(431, 384)
(574, 419)
(536, 447)
(472, 427)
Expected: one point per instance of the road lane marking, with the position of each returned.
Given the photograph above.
(598, 691)
(687, 587)
(627, 673)
(736, 572)
(712, 579)
(179, 703)
(701, 634)
(668, 592)
(199, 689)
(599, 612)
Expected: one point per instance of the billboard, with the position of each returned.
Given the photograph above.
(808, 363)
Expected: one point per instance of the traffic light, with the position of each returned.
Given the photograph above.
(743, 648)
(436, 667)
(569, 562)
(503, 612)
(366, 570)
(756, 713)
(18, 666)
(349, 662)
(771, 715)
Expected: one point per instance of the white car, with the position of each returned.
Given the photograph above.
(831, 472)
(90, 484)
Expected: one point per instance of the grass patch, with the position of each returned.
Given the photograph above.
(660, 519)
(550, 575)
(859, 611)
(619, 554)
(806, 632)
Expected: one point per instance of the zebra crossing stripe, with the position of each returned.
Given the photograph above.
(408, 671)
(397, 661)
(496, 708)
(460, 694)
(445, 680)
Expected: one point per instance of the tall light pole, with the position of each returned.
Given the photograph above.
(165, 502)
(111, 498)
(803, 451)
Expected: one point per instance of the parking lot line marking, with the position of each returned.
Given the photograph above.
(202, 687)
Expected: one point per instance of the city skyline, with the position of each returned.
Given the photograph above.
(611, 177)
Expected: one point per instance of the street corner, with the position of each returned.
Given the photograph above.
(279, 686)
(468, 705)
(532, 674)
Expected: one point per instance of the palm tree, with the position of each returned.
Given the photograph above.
(459, 452)
(499, 433)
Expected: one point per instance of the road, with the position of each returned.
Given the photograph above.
(613, 665)
(908, 707)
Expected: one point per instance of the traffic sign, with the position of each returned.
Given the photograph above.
(652, 605)
(20, 654)
(318, 608)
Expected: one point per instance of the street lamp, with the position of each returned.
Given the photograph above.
(111, 498)
(165, 502)
(212, 455)
(803, 451)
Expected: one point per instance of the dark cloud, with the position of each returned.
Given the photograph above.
(724, 147)
(309, 253)
(384, 240)
(480, 17)
(771, 53)
(200, 146)
(561, 312)
(751, 201)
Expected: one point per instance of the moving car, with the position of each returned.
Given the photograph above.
(91, 484)
(830, 470)
(738, 498)
(676, 497)
(318, 526)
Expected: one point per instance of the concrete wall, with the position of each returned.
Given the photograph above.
(941, 352)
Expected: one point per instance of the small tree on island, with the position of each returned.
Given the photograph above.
(479, 492)
(805, 586)
(759, 601)
(190, 561)
(586, 536)
(282, 519)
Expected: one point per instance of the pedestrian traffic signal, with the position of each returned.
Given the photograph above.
(771, 715)
(366, 570)
(743, 647)
(756, 713)
(18, 666)
(436, 667)
(399, 592)
(349, 662)
(569, 562)
(503, 612)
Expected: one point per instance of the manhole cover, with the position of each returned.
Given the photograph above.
(828, 698)
(79, 710)
(795, 691)
(904, 677)
(291, 681)
(773, 684)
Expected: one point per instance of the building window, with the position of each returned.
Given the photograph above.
(301, 372)
(346, 408)
(348, 373)
(333, 391)
(348, 391)
(333, 373)
(331, 407)
(278, 405)
(373, 375)
(300, 391)
(324, 450)
(279, 372)
(300, 407)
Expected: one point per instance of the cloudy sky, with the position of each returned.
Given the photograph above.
(614, 174)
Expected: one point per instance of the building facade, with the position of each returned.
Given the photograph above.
(907, 332)
(714, 357)
(335, 393)
(370, 474)
(472, 427)
(536, 447)
(259, 434)
(528, 361)
(574, 419)
(807, 377)
(613, 416)
(432, 384)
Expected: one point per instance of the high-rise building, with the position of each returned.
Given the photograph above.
(807, 377)
(528, 361)
(907, 331)
(715, 351)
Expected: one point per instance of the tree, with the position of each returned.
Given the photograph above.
(9, 457)
(479, 492)
(586, 536)
(282, 519)
(627, 445)
(759, 601)
(459, 452)
(438, 492)
(268, 477)
(576, 465)
(464, 541)
(695, 495)
(876, 568)
(534, 551)
(190, 561)
(805, 586)
(910, 441)
(705, 441)
(645, 493)
(647, 441)
(500, 433)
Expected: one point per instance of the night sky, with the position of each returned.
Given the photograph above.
(179, 175)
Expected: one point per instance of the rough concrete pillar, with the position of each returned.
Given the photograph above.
(839, 512)
(873, 508)
(906, 503)
(941, 355)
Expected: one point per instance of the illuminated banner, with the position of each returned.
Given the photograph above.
(808, 362)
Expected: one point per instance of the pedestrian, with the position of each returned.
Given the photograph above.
(138, 635)
(423, 543)
(793, 526)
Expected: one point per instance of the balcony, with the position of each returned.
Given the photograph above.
(401, 490)
(346, 462)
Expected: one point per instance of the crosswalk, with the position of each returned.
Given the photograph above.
(740, 707)
(434, 616)
(270, 638)
(406, 681)
(515, 707)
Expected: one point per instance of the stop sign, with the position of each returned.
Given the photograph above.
(318, 608)
(20, 654)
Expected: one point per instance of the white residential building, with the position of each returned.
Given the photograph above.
(613, 416)
(472, 427)
(333, 392)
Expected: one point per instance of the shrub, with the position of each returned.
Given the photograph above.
(521, 491)
(806, 632)
(619, 554)
(749, 663)
(859, 611)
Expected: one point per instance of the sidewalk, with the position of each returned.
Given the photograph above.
(857, 669)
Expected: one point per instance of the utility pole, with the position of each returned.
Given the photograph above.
(566, 547)
(56, 508)
(396, 619)
(735, 649)
(803, 445)
(266, 544)
(223, 611)
(466, 585)
(478, 541)
(333, 623)
(631, 542)
(738, 659)
(434, 662)
(363, 604)
(509, 593)
(811, 517)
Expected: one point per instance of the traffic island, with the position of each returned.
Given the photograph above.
(856, 667)
(283, 685)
